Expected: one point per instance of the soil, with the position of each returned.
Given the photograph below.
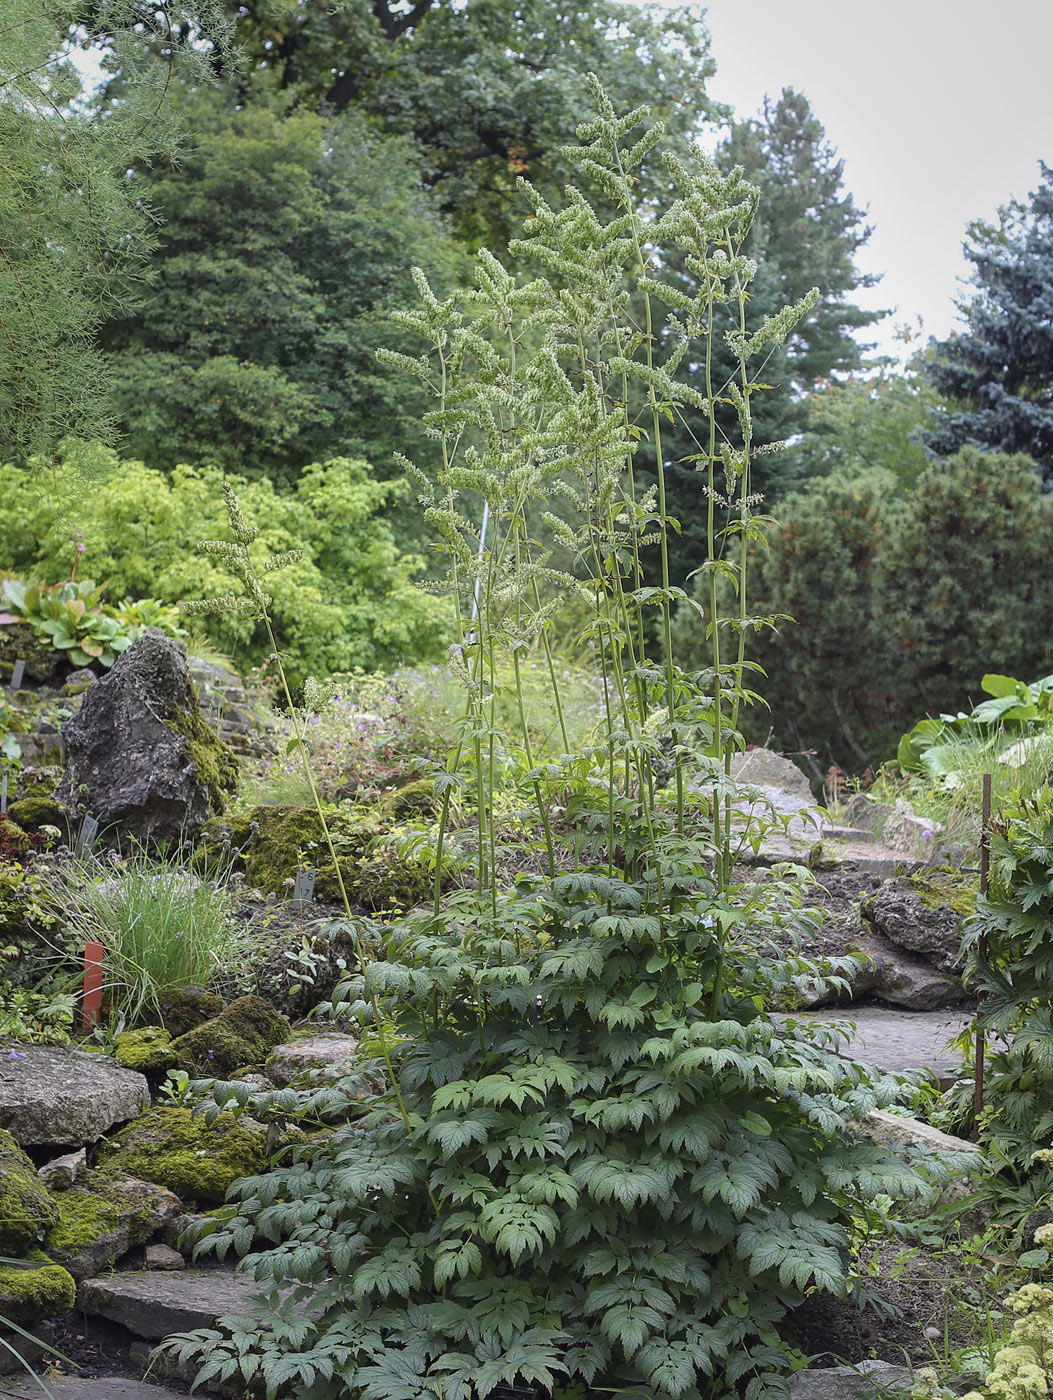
(95, 1348)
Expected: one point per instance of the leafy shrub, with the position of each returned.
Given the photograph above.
(608, 1176)
(1010, 946)
(348, 602)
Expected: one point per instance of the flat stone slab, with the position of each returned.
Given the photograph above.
(81, 1388)
(328, 1055)
(870, 1380)
(51, 1096)
(153, 1305)
(895, 1040)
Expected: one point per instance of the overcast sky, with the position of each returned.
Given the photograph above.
(940, 109)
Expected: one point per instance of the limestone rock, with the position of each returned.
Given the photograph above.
(897, 977)
(56, 1097)
(886, 1128)
(766, 768)
(328, 1054)
(89, 1388)
(240, 1037)
(62, 1172)
(869, 1380)
(180, 1151)
(26, 1206)
(163, 1257)
(154, 1304)
(140, 758)
(911, 914)
(104, 1217)
(906, 831)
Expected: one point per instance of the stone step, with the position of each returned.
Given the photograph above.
(83, 1388)
(846, 833)
(153, 1305)
(893, 1040)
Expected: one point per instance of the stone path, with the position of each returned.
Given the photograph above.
(79, 1388)
(895, 1040)
(153, 1305)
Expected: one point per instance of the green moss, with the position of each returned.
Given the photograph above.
(183, 1008)
(177, 1149)
(27, 1208)
(414, 799)
(31, 813)
(148, 1050)
(98, 1207)
(215, 762)
(240, 1037)
(29, 1294)
(947, 887)
(14, 842)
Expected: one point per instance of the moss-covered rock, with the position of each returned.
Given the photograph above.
(14, 842)
(103, 1216)
(215, 761)
(179, 1150)
(148, 1049)
(31, 813)
(183, 1008)
(240, 1037)
(30, 1294)
(275, 841)
(947, 887)
(413, 799)
(27, 1208)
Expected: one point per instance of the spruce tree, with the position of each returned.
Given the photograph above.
(998, 371)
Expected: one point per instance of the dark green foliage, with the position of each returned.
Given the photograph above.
(74, 235)
(1011, 963)
(485, 91)
(275, 273)
(998, 372)
(609, 1176)
(902, 602)
(805, 235)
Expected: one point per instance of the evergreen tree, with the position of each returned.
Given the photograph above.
(998, 371)
(806, 235)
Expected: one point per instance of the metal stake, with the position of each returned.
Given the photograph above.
(985, 866)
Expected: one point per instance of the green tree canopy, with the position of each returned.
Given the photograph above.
(486, 90)
(870, 420)
(286, 242)
(74, 234)
(998, 371)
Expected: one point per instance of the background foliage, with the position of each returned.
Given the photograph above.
(349, 602)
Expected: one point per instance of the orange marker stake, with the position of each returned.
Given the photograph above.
(92, 1010)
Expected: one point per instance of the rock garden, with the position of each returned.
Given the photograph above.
(563, 1047)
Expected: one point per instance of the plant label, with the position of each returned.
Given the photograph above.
(3, 796)
(17, 673)
(89, 829)
(303, 890)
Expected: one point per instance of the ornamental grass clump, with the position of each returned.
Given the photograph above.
(596, 1158)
